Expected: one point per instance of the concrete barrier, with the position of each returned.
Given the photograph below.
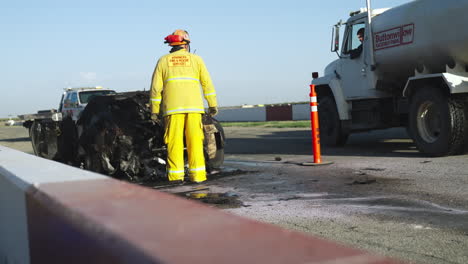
(53, 213)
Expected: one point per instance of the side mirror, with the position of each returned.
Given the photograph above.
(336, 37)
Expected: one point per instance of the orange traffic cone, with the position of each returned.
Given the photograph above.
(314, 120)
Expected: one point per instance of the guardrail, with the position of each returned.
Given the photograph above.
(53, 213)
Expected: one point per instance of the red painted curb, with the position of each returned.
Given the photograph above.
(107, 221)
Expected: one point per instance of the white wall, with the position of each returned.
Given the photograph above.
(301, 112)
(242, 114)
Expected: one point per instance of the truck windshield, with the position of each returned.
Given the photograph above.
(85, 97)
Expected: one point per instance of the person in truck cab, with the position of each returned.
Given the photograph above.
(355, 53)
(176, 83)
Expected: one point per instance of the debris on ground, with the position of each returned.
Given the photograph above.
(289, 198)
(374, 169)
(363, 179)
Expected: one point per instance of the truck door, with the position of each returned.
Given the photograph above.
(66, 107)
(74, 105)
(353, 62)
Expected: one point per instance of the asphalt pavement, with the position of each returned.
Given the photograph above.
(380, 193)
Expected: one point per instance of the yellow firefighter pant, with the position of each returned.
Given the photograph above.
(190, 125)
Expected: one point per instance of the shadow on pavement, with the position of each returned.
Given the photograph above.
(382, 143)
(21, 139)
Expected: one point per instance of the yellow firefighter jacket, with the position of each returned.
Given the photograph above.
(177, 80)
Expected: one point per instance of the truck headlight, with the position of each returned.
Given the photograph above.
(57, 117)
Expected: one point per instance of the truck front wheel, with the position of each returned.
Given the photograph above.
(331, 130)
(437, 123)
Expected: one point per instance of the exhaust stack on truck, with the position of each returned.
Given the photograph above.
(411, 71)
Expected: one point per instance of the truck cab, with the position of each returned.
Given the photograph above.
(74, 100)
(347, 91)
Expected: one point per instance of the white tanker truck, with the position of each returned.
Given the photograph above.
(412, 72)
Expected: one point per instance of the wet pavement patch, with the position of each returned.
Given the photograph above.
(163, 183)
(219, 200)
(227, 172)
(412, 210)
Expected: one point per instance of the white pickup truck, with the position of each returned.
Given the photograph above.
(72, 103)
(74, 100)
(46, 124)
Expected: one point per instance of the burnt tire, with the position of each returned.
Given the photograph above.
(92, 162)
(218, 160)
(438, 123)
(34, 135)
(332, 132)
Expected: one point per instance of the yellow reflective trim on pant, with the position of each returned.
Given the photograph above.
(198, 169)
(155, 100)
(175, 175)
(176, 171)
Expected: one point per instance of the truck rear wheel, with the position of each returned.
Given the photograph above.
(44, 139)
(437, 123)
(34, 135)
(331, 130)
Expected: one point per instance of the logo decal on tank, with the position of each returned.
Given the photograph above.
(394, 37)
(179, 61)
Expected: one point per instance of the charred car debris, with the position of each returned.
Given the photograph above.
(114, 135)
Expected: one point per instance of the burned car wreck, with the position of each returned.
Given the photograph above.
(114, 135)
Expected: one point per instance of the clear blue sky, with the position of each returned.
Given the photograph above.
(256, 51)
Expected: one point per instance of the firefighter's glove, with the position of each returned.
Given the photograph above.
(213, 111)
(155, 117)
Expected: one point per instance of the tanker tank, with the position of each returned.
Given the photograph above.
(421, 34)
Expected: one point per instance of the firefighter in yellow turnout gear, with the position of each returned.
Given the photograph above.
(178, 81)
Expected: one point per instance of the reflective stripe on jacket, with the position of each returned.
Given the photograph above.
(176, 82)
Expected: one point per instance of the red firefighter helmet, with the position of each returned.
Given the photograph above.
(179, 37)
